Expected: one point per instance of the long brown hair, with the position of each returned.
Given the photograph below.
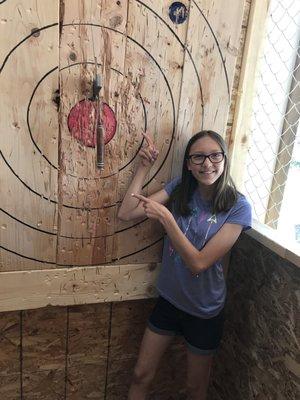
(225, 194)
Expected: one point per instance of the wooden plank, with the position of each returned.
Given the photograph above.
(82, 186)
(153, 67)
(130, 242)
(211, 52)
(238, 65)
(18, 18)
(28, 224)
(12, 262)
(45, 385)
(154, 251)
(44, 339)
(35, 210)
(81, 285)
(160, 10)
(86, 381)
(44, 353)
(25, 243)
(87, 351)
(28, 131)
(10, 349)
(16, 141)
(10, 387)
(240, 139)
(217, 57)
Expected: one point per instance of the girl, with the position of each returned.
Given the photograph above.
(203, 216)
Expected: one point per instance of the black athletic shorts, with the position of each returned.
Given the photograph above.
(202, 335)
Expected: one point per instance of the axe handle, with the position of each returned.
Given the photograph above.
(100, 145)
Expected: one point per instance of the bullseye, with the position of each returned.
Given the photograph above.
(81, 122)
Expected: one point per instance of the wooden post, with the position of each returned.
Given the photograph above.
(240, 137)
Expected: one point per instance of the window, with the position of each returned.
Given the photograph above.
(272, 178)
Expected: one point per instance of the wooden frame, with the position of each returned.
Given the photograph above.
(241, 124)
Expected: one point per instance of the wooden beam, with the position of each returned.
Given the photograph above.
(240, 138)
(285, 148)
(22, 290)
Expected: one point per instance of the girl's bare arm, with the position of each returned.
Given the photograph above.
(131, 207)
(196, 260)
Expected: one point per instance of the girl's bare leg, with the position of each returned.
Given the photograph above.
(152, 348)
(198, 373)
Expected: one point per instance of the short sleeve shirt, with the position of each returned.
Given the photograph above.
(202, 295)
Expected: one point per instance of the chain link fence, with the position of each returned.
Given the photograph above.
(272, 181)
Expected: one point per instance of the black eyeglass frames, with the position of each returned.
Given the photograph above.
(199, 158)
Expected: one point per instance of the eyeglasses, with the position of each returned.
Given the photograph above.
(199, 159)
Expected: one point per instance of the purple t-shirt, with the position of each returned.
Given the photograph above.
(202, 295)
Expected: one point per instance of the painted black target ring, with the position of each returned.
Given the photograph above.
(170, 142)
(199, 83)
(82, 208)
(42, 153)
(168, 87)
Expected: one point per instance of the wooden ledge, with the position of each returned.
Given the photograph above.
(272, 239)
(22, 290)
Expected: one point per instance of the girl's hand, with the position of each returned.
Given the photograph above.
(153, 209)
(148, 153)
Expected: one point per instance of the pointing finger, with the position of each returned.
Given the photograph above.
(140, 197)
(148, 139)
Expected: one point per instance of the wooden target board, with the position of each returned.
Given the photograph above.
(166, 67)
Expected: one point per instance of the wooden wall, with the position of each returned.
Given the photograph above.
(88, 351)
(82, 352)
(58, 209)
(259, 358)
